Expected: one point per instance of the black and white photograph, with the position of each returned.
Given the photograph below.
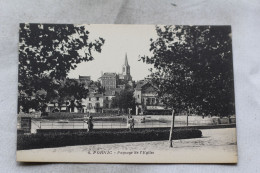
(114, 93)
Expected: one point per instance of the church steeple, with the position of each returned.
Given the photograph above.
(126, 61)
(126, 70)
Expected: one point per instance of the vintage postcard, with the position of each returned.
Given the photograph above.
(126, 94)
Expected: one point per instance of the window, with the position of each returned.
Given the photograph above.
(106, 98)
(138, 96)
(89, 99)
(147, 101)
(97, 98)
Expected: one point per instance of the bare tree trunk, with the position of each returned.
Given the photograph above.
(172, 126)
(188, 114)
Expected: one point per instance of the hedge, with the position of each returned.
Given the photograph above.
(49, 140)
(64, 115)
(70, 115)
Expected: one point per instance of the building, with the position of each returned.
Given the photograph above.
(125, 71)
(113, 80)
(67, 106)
(113, 83)
(108, 97)
(85, 79)
(146, 98)
(109, 80)
(93, 103)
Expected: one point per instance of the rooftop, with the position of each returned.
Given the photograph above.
(112, 91)
(95, 95)
(84, 77)
(109, 75)
(140, 84)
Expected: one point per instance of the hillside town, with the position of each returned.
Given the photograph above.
(110, 84)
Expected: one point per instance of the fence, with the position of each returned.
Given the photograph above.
(97, 125)
(43, 124)
(120, 122)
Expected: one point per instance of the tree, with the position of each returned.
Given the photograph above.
(193, 68)
(124, 100)
(71, 92)
(47, 52)
(97, 84)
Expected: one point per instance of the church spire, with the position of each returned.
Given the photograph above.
(126, 61)
(126, 70)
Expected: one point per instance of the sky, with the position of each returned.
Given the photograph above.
(133, 40)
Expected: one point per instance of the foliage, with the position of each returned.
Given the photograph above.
(100, 89)
(64, 116)
(124, 100)
(72, 91)
(47, 52)
(193, 68)
(100, 137)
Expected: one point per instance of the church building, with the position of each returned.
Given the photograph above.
(113, 80)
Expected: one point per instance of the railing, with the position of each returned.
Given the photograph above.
(111, 125)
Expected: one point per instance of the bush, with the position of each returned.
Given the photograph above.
(71, 115)
(119, 119)
(48, 140)
(64, 115)
(224, 120)
(232, 120)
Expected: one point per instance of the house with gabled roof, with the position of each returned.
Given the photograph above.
(147, 100)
